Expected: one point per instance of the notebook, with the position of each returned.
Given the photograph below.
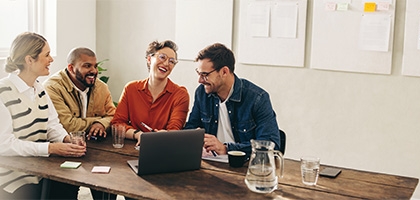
(172, 151)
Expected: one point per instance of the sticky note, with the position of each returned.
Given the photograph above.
(70, 165)
(383, 6)
(342, 6)
(329, 6)
(101, 169)
(370, 7)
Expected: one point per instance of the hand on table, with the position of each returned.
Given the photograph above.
(211, 143)
(96, 129)
(67, 149)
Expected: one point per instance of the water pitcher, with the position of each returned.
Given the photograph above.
(265, 167)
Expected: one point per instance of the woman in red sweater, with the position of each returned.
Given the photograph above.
(155, 101)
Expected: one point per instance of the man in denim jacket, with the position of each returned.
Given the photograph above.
(232, 110)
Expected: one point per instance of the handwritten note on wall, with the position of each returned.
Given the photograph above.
(375, 31)
(272, 32)
(284, 19)
(258, 19)
(357, 39)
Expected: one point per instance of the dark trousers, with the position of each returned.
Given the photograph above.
(54, 190)
(28, 191)
(59, 190)
(46, 188)
(98, 195)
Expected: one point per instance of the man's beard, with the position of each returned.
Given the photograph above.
(82, 79)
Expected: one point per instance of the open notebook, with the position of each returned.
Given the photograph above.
(172, 151)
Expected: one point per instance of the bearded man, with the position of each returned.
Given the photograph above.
(83, 102)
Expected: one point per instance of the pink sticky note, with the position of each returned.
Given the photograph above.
(330, 6)
(382, 6)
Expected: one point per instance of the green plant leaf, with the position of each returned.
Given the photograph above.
(104, 79)
(101, 69)
(100, 63)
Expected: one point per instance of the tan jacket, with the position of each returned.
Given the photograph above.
(67, 103)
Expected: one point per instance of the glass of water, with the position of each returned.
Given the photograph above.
(118, 135)
(310, 169)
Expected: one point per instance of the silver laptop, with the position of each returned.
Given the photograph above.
(172, 151)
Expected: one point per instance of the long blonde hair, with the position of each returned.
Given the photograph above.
(27, 43)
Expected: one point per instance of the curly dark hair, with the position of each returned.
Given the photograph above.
(219, 55)
(156, 46)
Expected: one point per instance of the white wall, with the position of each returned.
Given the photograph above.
(76, 26)
(124, 30)
(361, 121)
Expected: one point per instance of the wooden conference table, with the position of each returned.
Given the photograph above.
(214, 180)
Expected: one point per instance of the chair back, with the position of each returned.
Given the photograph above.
(282, 141)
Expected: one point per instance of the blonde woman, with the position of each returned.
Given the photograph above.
(30, 125)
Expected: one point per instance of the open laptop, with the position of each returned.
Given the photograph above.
(172, 151)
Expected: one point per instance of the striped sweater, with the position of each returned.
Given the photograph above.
(29, 123)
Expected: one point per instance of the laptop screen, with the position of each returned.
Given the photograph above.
(172, 151)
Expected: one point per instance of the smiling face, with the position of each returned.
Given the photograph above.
(210, 79)
(162, 63)
(40, 66)
(84, 71)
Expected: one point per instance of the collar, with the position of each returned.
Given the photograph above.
(236, 95)
(170, 86)
(84, 91)
(230, 92)
(20, 85)
(68, 83)
(237, 90)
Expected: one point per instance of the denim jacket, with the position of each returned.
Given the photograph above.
(250, 112)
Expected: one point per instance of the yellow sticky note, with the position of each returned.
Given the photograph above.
(370, 7)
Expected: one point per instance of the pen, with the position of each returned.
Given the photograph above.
(214, 153)
(146, 126)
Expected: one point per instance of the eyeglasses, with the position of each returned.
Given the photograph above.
(204, 75)
(163, 57)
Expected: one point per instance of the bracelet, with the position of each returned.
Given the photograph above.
(135, 132)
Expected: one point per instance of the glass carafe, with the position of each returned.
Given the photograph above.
(265, 167)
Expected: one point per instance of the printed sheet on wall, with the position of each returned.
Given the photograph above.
(272, 32)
